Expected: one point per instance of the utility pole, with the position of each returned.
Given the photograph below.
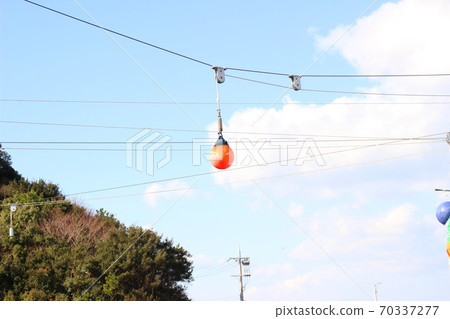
(12, 210)
(242, 261)
(375, 290)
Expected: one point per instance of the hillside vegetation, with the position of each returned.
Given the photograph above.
(60, 248)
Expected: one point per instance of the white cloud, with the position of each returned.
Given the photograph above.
(347, 120)
(338, 120)
(374, 226)
(395, 221)
(342, 232)
(404, 37)
(399, 243)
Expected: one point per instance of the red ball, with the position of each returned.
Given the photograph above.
(222, 156)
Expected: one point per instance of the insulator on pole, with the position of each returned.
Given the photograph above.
(296, 84)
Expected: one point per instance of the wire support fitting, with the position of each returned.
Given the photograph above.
(296, 84)
(220, 78)
(220, 74)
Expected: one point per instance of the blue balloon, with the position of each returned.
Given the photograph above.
(443, 212)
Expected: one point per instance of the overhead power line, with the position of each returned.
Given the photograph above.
(222, 103)
(342, 75)
(215, 270)
(232, 68)
(190, 150)
(232, 169)
(59, 201)
(260, 82)
(377, 93)
(340, 92)
(212, 141)
(207, 131)
(374, 75)
(121, 34)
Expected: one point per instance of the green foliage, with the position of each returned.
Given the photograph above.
(111, 286)
(60, 249)
(7, 173)
(22, 186)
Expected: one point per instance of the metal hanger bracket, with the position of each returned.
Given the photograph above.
(220, 74)
(296, 84)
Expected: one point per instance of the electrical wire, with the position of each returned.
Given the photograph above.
(58, 201)
(214, 268)
(341, 92)
(222, 103)
(205, 144)
(228, 268)
(134, 242)
(168, 51)
(190, 150)
(121, 34)
(376, 93)
(322, 54)
(205, 63)
(247, 70)
(139, 65)
(260, 82)
(213, 274)
(374, 75)
(221, 184)
(232, 169)
(212, 141)
(186, 130)
(215, 271)
(341, 75)
(231, 68)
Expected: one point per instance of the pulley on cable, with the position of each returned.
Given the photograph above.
(222, 156)
(443, 210)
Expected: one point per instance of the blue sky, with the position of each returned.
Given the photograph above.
(326, 233)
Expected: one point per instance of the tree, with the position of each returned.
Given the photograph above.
(59, 249)
(7, 173)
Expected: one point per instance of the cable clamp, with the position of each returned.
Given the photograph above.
(220, 74)
(448, 138)
(296, 84)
